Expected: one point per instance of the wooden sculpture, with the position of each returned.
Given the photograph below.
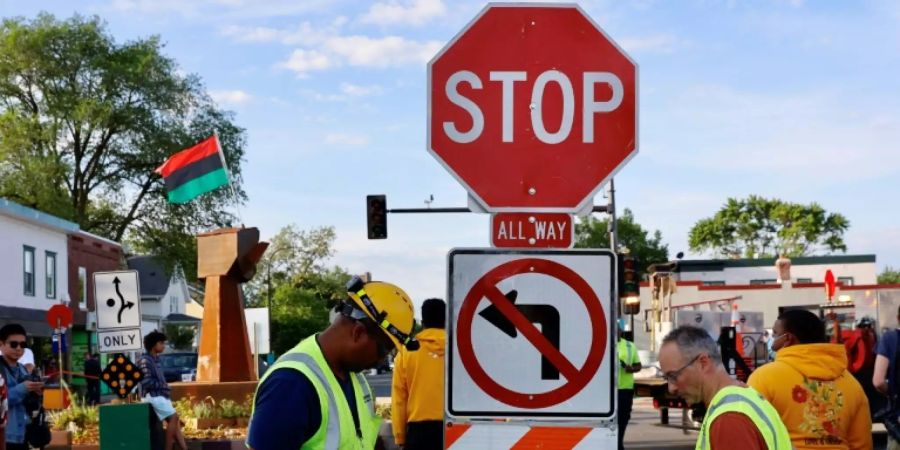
(226, 258)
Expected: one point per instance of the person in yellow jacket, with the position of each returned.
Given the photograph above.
(820, 402)
(314, 397)
(417, 391)
(737, 417)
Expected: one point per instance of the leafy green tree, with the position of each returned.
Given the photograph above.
(84, 121)
(757, 227)
(646, 248)
(889, 276)
(180, 337)
(304, 287)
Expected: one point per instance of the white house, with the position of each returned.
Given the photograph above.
(162, 295)
(33, 265)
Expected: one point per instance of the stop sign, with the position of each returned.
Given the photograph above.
(532, 108)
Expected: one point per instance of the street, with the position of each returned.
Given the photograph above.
(381, 384)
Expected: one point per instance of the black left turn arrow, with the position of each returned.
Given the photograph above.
(545, 315)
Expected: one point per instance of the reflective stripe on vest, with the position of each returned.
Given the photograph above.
(775, 434)
(366, 391)
(333, 423)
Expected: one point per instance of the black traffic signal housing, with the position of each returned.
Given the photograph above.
(376, 216)
(628, 285)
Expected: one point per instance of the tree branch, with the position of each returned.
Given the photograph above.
(132, 213)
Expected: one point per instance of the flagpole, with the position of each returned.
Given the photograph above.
(237, 206)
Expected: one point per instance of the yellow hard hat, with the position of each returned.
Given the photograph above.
(388, 306)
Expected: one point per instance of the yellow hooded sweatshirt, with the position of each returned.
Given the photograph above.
(820, 403)
(417, 391)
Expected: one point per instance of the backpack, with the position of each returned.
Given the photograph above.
(37, 432)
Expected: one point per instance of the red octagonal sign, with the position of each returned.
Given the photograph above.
(532, 108)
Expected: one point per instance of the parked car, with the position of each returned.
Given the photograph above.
(178, 366)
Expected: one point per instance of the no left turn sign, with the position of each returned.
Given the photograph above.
(531, 334)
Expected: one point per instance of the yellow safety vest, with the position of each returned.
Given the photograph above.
(750, 403)
(337, 430)
(628, 356)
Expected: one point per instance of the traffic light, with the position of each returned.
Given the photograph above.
(628, 285)
(376, 216)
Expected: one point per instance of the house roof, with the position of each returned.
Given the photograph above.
(152, 275)
(13, 209)
(178, 318)
(713, 265)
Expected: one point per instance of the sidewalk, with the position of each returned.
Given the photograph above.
(645, 431)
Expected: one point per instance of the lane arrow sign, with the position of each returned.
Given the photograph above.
(546, 316)
(124, 303)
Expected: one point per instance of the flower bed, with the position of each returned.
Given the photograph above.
(206, 419)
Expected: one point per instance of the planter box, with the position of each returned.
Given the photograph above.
(60, 438)
(86, 447)
(207, 424)
(242, 422)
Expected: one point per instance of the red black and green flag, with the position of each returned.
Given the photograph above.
(195, 171)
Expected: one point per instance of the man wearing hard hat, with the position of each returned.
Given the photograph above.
(314, 397)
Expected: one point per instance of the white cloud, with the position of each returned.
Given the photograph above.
(361, 51)
(349, 140)
(304, 34)
(382, 52)
(232, 97)
(415, 12)
(322, 48)
(302, 61)
(361, 91)
(217, 10)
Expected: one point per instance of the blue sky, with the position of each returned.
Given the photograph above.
(798, 100)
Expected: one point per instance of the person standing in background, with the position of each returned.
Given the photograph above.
(93, 371)
(819, 401)
(417, 390)
(629, 364)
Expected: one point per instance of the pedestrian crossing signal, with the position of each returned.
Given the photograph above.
(376, 215)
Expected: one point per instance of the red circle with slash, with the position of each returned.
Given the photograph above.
(576, 378)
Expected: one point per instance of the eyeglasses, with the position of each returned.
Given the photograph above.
(16, 344)
(672, 377)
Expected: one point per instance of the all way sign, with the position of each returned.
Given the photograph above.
(531, 334)
(524, 230)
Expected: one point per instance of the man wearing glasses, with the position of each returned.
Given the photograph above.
(314, 396)
(12, 343)
(737, 417)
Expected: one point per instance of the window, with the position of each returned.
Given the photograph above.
(173, 304)
(764, 281)
(50, 259)
(28, 270)
(82, 287)
(804, 280)
(714, 283)
(848, 281)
